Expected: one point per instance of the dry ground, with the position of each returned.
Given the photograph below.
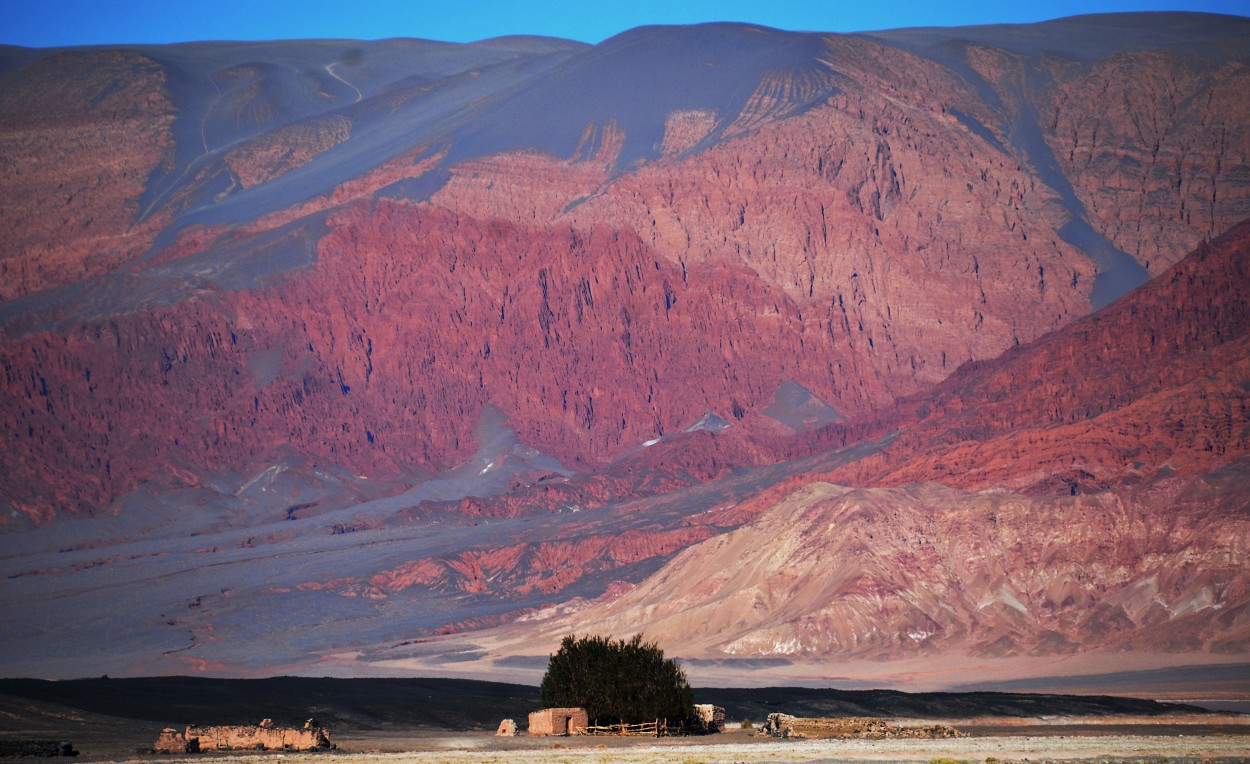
(740, 749)
(395, 738)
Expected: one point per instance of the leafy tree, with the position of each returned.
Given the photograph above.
(617, 682)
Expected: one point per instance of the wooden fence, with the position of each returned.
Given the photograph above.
(646, 729)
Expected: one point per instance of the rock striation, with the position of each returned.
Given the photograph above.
(1162, 388)
(836, 573)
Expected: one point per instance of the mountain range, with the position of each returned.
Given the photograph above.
(912, 358)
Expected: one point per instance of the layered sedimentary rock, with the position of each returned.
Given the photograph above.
(898, 230)
(833, 572)
(592, 342)
(1161, 386)
(1159, 169)
(1148, 559)
(520, 570)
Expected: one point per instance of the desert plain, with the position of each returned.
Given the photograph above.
(1228, 741)
(451, 722)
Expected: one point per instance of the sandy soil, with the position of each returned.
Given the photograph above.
(1038, 743)
(462, 749)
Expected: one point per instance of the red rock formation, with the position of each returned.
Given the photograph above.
(823, 571)
(859, 227)
(523, 569)
(927, 250)
(1159, 169)
(593, 343)
(683, 130)
(831, 572)
(80, 133)
(1161, 387)
(274, 153)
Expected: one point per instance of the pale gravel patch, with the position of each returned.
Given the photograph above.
(1051, 748)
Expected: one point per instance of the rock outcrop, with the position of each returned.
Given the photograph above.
(1159, 170)
(1161, 387)
(853, 218)
(833, 573)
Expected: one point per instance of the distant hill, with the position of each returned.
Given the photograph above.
(450, 704)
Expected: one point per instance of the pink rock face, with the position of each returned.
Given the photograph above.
(1160, 169)
(820, 571)
(288, 148)
(833, 573)
(1161, 387)
(911, 240)
(592, 343)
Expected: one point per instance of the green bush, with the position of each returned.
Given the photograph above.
(617, 682)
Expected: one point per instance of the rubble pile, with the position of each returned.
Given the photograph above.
(784, 725)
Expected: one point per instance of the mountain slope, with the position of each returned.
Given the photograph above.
(836, 574)
(1155, 383)
(365, 343)
(873, 219)
(1146, 566)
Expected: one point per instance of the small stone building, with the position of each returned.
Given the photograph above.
(558, 721)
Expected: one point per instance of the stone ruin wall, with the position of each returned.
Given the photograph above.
(244, 737)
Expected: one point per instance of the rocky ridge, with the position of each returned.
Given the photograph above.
(928, 570)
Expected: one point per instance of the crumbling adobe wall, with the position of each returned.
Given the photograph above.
(261, 738)
(173, 741)
(246, 737)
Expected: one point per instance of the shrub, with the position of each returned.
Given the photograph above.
(617, 682)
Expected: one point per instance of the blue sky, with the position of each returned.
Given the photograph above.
(48, 23)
